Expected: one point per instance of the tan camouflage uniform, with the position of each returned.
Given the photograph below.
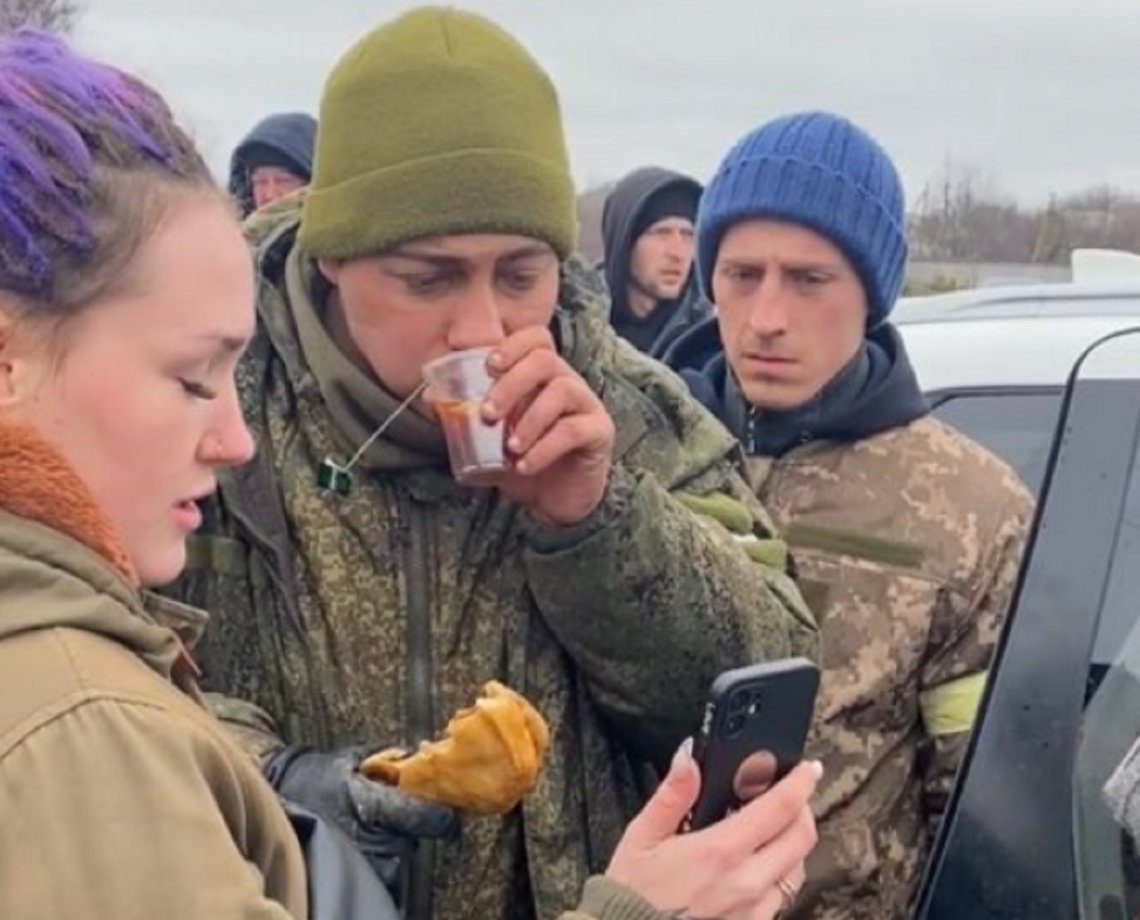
(411, 592)
(907, 546)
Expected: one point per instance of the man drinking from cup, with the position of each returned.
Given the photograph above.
(441, 219)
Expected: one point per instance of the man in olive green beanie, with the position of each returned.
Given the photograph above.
(440, 218)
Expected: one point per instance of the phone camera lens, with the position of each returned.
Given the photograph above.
(735, 725)
(740, 702)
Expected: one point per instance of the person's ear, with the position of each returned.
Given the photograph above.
(20, 360)
(7, 358)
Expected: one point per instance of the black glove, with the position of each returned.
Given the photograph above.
(383, 822)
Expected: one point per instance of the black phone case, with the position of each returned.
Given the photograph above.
(765, 707)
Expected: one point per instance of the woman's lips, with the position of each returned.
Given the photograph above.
(188, 516)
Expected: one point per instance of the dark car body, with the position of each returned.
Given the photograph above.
(1027, 832)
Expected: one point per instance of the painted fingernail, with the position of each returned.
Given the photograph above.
(490, 410)
(816, 767)
(495, 360)
(522, 466)
(684, 755)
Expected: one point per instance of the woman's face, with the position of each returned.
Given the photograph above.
(139, 394)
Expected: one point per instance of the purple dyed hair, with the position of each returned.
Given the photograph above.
(73, 134)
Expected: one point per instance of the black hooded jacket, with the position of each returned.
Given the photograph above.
(620, 223)
(875, 392)
(285, 140)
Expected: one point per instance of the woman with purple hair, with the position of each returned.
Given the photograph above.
(125, 300)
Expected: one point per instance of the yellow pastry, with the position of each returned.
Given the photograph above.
(487, 761)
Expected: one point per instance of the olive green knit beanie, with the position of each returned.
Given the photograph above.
(437, 123)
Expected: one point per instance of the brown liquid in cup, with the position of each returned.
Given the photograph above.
(475, 448)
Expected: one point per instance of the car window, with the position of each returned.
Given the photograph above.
(1107, 867)
(1026, 831)
(1015, 425)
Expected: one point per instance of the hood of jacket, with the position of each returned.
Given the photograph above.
(620, 217)
(875, 392)
(287, 138)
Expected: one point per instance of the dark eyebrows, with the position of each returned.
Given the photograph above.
(740, 262)
(532, 251)
(757, 263)
(826, 268)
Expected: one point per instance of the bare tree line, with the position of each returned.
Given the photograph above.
(56, 15)
(959, 217)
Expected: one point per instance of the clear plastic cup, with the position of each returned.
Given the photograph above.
(457, 385)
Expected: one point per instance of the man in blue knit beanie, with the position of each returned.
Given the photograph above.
(907, 534)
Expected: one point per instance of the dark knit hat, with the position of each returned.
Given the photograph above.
(679, 199)
(823, 172)
(437, 123)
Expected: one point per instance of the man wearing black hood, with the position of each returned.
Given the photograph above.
(274, 160)
(647, 229)
(907, 535)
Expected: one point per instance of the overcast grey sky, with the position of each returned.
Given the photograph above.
(1041, 95)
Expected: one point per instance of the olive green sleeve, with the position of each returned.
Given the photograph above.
(603, 899)
(653, 600)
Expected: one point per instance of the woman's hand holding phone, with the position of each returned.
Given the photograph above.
(748, 865)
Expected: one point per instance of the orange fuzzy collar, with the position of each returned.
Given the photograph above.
(38, 484)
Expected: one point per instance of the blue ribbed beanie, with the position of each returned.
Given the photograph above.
(823, 172)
